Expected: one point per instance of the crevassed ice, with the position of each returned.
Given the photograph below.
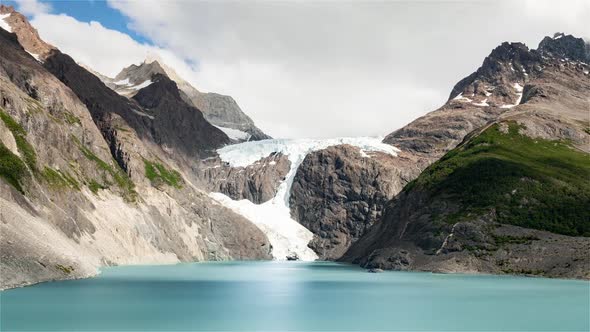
(234, 134)
(273, 217)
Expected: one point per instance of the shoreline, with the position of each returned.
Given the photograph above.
(362, 269)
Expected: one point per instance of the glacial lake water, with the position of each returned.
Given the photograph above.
(295, 296)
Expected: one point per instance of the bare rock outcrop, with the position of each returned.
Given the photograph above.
(257, 183)
(27, 36)
(339, 192)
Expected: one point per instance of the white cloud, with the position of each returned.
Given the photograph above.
(318, 69)
(33, 7)
(571, 15)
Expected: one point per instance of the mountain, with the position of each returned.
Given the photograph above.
(99, 171)
(339, 194)
(89, 178)
(512, 197)
(221, 111)
(28, 37)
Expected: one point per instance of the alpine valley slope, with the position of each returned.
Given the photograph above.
(99, 171)
(90, 178)
(513, 196)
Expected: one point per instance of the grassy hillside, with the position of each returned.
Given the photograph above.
(533, 183)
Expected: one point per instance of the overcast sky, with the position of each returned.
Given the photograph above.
(313, 69)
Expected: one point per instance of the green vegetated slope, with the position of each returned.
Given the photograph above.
(530, 182)
(12, 168)
(157, 173)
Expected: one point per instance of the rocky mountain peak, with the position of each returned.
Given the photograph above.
(137, 74)
(161, 87)
(565, 46)
(500, 79)
(27, 36)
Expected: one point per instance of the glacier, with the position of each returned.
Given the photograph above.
(273, 217)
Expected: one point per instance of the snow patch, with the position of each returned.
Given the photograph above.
(123, 82)
(462, 99)
(285, 234)
(141, 113)
(273, 217)
(3, 24)
(234, 134)
(142, 85)
(483, 103)
(518, 89)
(36, 56)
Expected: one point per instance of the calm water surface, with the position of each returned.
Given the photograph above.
(269, 296)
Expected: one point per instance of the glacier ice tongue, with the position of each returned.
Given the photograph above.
(273, 217)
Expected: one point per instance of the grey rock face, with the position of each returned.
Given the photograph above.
(223, 111)
(338, 194)
(476, 100)
(565, 46)
(257, 183)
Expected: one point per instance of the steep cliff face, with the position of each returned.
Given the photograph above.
(339, 192)
(153, 119)
(258, 182)
(512, 197)
(89, 178)
(223, 111)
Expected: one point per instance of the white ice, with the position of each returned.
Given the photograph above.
(123, 82)
(142, 85)
(235, 134)
(273, 217)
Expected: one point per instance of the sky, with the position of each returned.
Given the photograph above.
(307, 69)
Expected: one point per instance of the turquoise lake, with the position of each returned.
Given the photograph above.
(295, 296)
